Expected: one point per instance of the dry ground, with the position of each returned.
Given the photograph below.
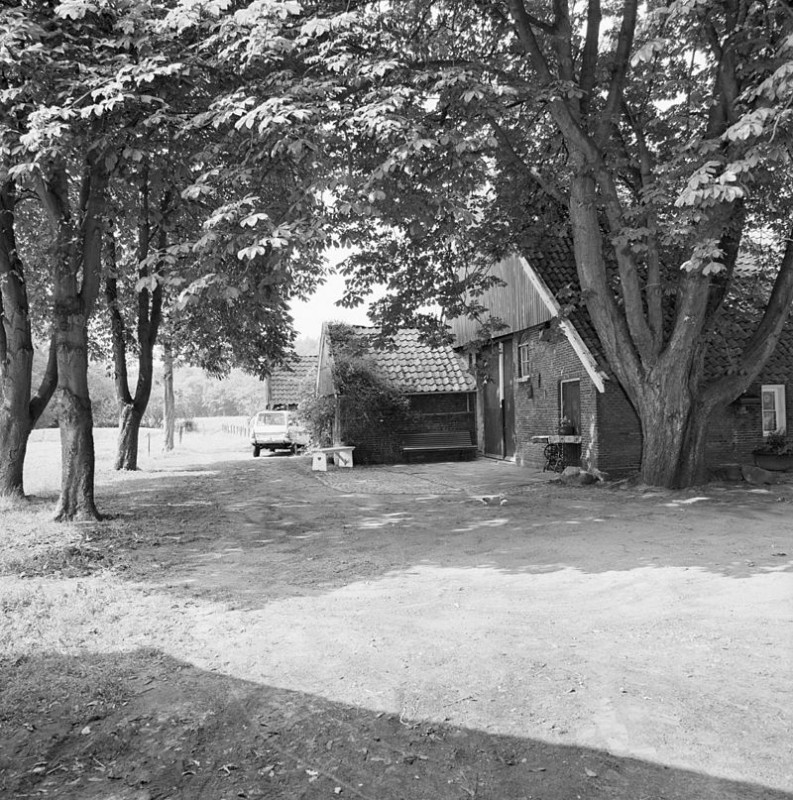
(244, 627)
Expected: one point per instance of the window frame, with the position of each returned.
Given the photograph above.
(524, 364)
(562, 383)
(777, 390)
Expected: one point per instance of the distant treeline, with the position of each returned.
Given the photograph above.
(197, 394)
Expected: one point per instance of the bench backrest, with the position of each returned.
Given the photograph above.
(438, 439)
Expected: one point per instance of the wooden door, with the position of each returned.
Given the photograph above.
(508, 399)
(491, 402)
(498, 400)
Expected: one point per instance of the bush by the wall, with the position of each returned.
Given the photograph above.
(372, 411)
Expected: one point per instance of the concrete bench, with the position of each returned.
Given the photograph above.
(340, 453)
(449, 443)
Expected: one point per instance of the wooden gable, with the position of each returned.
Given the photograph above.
(518, 304)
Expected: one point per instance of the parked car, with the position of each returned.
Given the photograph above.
(276, 430)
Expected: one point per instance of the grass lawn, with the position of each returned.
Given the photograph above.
(243, 627)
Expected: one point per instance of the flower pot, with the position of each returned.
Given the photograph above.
(776, 462)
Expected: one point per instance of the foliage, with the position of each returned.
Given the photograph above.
(317, 414)
(655, 136)
(775, 444)
(371, 410)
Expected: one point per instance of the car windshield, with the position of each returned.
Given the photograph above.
(271, 418)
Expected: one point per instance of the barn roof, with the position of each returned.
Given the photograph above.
(415, 367)
(287, 382)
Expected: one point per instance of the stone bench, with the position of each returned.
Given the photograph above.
(340, 453)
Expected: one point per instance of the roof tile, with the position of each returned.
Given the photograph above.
(286, 383)
(415, 367)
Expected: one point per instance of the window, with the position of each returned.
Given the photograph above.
(773, 409)
(570, 402)
(524, 361)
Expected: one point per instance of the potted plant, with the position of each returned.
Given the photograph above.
(566, 427)
(775, 453)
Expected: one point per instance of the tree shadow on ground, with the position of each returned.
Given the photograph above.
(273, 524)
(143, 726)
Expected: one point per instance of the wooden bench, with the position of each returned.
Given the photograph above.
(445, 443)
(341, 454)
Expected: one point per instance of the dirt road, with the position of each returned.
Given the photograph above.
(385, 633)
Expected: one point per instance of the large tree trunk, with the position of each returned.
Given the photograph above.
(15, 431)
(76, 285)
(168, 398)
(16, 363)
(673, 433)
(18, 411)
(75, 419)
(128, 432)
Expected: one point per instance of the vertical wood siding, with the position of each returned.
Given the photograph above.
(517, 304)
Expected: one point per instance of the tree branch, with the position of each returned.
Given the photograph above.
(554, 192)
(118, 332)
(764, 340)
(652, 286)
(562, 114)
(563, 38)
(92, 230)
(590, 56)
(620, 68)
(48, 385)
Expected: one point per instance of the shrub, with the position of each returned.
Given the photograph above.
(371, 410)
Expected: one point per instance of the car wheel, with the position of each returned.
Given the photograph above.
(256, 450)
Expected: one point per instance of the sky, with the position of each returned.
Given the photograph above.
(310, 315)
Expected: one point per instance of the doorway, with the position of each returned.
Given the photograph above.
(570, 403)
(498, 400)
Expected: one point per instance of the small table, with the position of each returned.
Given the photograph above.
(560, 451)
(341, 454)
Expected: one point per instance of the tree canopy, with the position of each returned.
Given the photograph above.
(432, 135)
(655, 136)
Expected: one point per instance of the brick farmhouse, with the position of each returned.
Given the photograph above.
(546, 363)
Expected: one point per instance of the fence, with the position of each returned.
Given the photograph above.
(235, 429)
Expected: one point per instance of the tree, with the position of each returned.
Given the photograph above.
(658, 141)
(168, 397)
(149, 313)
(19, 408)
(36, 152)
(77, 75)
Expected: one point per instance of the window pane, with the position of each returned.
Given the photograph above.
(769, 421)
(773, 408)
(524, 358)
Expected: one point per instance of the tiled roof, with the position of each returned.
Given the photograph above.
(734, 331)
(286, 383)
(414, 367)
(553, 260)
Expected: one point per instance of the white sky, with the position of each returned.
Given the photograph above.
(321, 307)
(310, 315)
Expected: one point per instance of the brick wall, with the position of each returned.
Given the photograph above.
(436, 412)
(443, 412)
(620, 436)
(737, 430)
(538, 402)
(610, 430)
